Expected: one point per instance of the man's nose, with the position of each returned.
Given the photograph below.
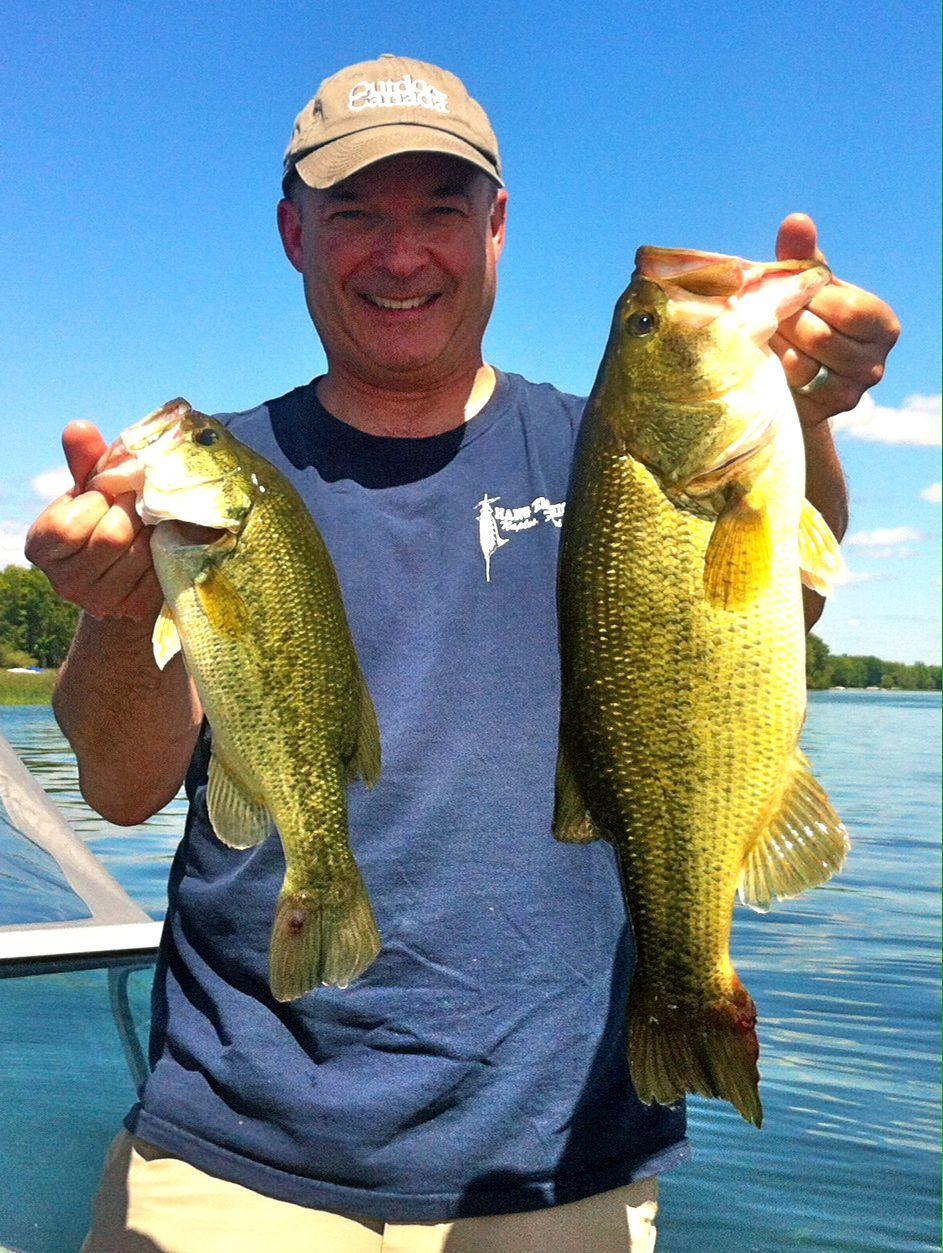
(400, 249)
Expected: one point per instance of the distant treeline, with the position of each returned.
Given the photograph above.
(36, 629)
(825, 669)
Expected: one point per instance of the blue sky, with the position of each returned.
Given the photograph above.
(142, 147)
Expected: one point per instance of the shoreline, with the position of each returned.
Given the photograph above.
(36, 689)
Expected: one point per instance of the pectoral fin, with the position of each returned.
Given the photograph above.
(221, 601)
(165, 638)
(238, 819)
(803, 846)
(739, 557)
(571, 821)
(820, 558)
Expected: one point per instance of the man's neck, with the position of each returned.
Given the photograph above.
(412, 413)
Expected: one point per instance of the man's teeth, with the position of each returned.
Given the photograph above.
(400, 304)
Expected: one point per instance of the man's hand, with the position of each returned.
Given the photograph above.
(94, 551)
(846, 329)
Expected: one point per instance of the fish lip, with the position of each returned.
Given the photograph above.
(771, 290)
(167, 421)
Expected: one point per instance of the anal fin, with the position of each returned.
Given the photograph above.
(571, 821)
(238, 820)
(803, 846)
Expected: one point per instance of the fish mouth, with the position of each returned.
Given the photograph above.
(164, 424)
(758, 294)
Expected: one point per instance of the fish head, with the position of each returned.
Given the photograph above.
(182, 466)
(690, 345)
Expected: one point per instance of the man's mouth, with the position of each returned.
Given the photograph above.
(411, 302)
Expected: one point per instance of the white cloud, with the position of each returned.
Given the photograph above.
(884, 536)
(918, 421)
(886, 543)
(858, 576)
(12, 539)
(932, 493)
(51, 483)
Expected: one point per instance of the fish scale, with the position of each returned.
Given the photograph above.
(683, 698)
(257, 610)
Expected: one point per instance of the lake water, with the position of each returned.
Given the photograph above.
(846, 981)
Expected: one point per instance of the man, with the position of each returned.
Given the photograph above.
(470, 1090)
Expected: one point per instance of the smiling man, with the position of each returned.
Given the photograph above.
(470, 1090)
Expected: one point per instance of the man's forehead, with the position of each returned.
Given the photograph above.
(428, 172)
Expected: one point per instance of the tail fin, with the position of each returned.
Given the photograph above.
(709, 1049)
(316, 943)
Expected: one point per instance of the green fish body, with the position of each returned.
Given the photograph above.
(260, 618)
(682, 646)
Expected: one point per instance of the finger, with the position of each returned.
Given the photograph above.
(857, 313)
(809, 334)
(797, 239)
(838, 394)
(63, 529)
(143, 603)
(82, 444)
(107, 595)
(798, 367)
(117, 530)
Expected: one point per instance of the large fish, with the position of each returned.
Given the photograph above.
(256, 605)
(685, 537)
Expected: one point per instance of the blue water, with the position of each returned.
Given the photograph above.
(846, 980)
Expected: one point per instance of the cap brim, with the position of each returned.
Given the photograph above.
(335, 161)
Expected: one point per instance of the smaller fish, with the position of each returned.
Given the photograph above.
(253, 600)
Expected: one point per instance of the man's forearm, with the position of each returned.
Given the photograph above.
(132, 726)
(825, 488)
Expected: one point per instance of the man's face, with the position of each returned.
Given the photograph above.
(399, 264)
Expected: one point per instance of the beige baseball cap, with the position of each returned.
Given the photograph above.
(380, 108)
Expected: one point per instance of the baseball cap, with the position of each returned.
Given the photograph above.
(380, 108)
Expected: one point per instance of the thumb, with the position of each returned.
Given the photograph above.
(797, 239)
(82, 444)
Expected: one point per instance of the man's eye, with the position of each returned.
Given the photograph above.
(445, 210)
(347, 215)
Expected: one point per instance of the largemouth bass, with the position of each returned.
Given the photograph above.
(256, 607)
(685, 537)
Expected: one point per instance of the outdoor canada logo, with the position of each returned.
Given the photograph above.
(496, 524)
(391, 93)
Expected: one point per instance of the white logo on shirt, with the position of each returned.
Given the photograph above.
(391, 93)
(492, 521)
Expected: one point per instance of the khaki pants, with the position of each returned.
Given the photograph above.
(151, 1202)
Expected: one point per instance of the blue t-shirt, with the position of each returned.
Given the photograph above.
(478, 1065)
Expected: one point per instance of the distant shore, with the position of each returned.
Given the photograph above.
(36, 689)
(26, 689)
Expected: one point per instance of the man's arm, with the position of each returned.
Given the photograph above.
(850, 331)
(132, 727)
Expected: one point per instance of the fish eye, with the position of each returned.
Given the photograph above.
(206, 436)
(641, 323)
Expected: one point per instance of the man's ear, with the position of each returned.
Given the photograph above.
(289, 228)
(499, 217)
